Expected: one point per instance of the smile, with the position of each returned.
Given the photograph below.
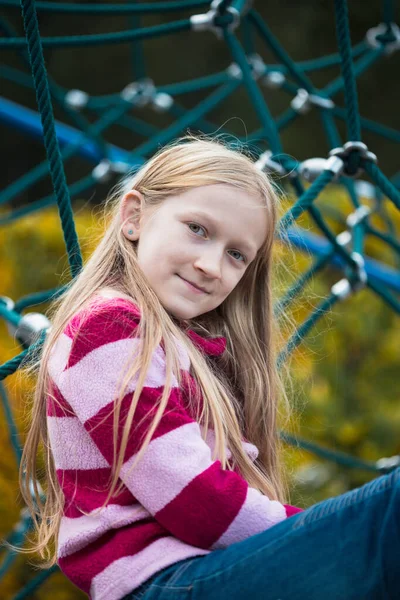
(192, 287)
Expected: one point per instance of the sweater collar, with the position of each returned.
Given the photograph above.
(213, 346)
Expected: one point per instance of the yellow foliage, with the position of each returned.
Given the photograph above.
(348, 363)
(350, 433)
(319, 392)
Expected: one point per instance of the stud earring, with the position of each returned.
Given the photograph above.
(130, 232)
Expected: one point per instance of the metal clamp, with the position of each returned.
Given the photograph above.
(162, 102)
(362, 276)
(373, 42)
(76, 99)
(206, 21)
(264, 163)
(388, 463)
(312, 168)
(257, 65)
(234, 71)
(349, 147)
(139, 93)
(344, 239)
(144, 92)
(365, 189)
(30, 325)
(103, 171)
(359, 215)
(274, 79)
(344, 288)
(303, 101)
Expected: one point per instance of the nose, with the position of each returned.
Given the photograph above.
(210, 264)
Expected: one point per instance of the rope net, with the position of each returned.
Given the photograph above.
(237, 25)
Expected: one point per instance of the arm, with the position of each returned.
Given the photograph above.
(176, 481)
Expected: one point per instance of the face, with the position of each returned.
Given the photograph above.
(207, 236)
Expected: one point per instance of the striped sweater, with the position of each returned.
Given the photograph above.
(177, 503)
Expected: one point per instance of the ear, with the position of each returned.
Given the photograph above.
(131, 209)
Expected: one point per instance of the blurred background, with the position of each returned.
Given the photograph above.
(345, 395)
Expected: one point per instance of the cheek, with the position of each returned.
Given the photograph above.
(234, 280)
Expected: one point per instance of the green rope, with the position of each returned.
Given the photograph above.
(333, 455)
(279, 51)
(111, 9)
(350, 89)
(188, 119)
(98, 39)
(12, 429)
(32, 585)
(366, 61)
(388, 12)
(386, 296)
(302, 331)
(49, 133)
(305, 200)
(252, 89)
(383, 182)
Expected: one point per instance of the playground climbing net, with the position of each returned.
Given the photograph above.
(347, 162)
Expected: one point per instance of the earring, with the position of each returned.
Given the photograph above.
(130, 232)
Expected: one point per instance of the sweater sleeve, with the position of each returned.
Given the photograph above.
(292, 510)
(177, 481)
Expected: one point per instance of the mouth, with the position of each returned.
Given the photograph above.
(193, 286)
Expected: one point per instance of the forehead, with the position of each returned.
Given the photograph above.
(235, 213)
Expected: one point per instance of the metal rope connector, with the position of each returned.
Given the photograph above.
(303, 101)
(365, 189)
(344, 239)
(265, 163)
(234, 71)
(142, 93)
(381, 29)
(347, 150)
(161, 101)
(119, 166)
(24, 327)
(312, 168)
(206, 21)
(76, 99)
(359, 215)
(384, 464)
(103, 171)
(30, 325)
(274, 79)
(345, 287)
(139, 93)
(257, 65)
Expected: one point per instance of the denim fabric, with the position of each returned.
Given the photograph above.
(344, 548)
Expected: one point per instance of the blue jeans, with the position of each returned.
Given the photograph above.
(343, 548)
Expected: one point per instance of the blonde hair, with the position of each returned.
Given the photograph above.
(242, 390)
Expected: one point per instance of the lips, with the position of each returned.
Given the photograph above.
(194, 285)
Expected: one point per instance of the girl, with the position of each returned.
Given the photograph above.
(157, 403)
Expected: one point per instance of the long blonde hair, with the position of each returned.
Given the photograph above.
(243, 392)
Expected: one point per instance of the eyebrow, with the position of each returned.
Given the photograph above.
(202, 215)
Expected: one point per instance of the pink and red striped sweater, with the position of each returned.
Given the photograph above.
(177, 503)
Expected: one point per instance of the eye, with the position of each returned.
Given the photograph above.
(242, 255)
(195, 224)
